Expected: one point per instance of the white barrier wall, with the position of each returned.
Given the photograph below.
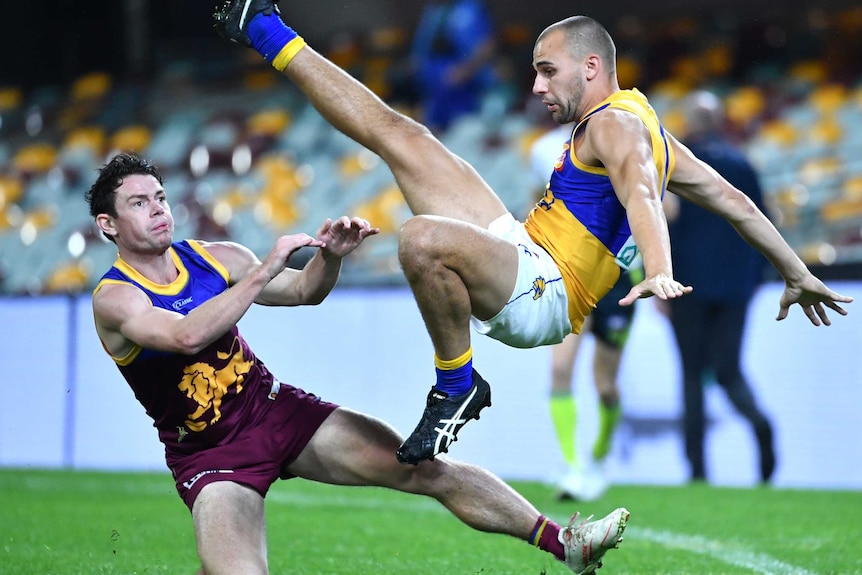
(65, 404)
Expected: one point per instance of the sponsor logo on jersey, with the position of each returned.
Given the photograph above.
(181, 303)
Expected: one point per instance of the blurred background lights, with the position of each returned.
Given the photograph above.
(28, 233)
(33, 123)
(222, 213)
(826, 254)
(305, 175)
(199, 161)
(76, 244)
(241, 159)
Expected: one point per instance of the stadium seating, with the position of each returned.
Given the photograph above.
(250, 160)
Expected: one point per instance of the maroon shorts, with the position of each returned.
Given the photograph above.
(258, 456)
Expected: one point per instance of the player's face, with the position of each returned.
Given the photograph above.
(559, 78)
(144, 222)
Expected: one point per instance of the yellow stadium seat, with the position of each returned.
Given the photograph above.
(91, 86)
(828, 98)
(838, 210)
(745, 105)
(779, 132)
(717, 60)
(826, 131)
(352, 165)
(10, 98)
(41, 217)
(132, 138)
(852, 188)
(11, 189)
(259, 79)
(629, 72)
(35, 158)
(816, 170)
(68, 277)
(811, 71)
(270, 122)
(385, 210)
(92, 138)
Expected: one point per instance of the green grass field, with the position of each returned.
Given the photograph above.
(77, 523)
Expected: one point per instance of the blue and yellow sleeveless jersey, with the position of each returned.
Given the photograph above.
(581, 222)
(201, 400)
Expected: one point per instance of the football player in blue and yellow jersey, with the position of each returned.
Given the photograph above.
(466, 258)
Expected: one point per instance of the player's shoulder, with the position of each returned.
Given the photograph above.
(613, 128)
(114, 299)
(220, 249)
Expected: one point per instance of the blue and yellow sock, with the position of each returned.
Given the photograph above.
(455, 376)
(277, 42)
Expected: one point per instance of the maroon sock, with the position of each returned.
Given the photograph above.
(545, 536)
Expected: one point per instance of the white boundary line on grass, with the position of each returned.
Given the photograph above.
(758, 562)
(340, 501)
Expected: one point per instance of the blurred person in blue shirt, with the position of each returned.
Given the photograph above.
(452, 56)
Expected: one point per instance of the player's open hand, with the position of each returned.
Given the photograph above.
(813, 297)
(342, 236)
(662, 286)
(286, 246)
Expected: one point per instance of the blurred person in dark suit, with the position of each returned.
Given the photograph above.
(709, 324)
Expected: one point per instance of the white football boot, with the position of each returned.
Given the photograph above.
(586, 542)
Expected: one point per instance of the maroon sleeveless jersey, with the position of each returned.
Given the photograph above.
(203, 400)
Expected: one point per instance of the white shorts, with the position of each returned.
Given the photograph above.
(538, 311)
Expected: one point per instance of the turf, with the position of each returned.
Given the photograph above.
(70, 523)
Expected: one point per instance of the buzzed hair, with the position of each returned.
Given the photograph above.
(585, 36)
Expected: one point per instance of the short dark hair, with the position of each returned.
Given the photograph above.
(584, 36)
(101, 196)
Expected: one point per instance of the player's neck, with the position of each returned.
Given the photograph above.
(158, 267)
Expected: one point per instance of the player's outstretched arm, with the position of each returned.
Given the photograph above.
(663, 286)
(813, 297)
(619, 141)
(339, 238)
(699, 183)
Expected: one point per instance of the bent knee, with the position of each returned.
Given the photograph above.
(418, 231)
(420, 240)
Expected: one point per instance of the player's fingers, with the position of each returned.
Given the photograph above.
(821, 312)
(812, 315)
(325, 227)
(834, 306)
(361, 223)
(630, 297)
(782, 311)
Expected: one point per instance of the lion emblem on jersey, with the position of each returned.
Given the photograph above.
(208, 385)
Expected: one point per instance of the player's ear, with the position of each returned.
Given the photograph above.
(106, 225)
(592, 66)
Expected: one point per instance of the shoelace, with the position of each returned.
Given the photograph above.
(573, 528)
